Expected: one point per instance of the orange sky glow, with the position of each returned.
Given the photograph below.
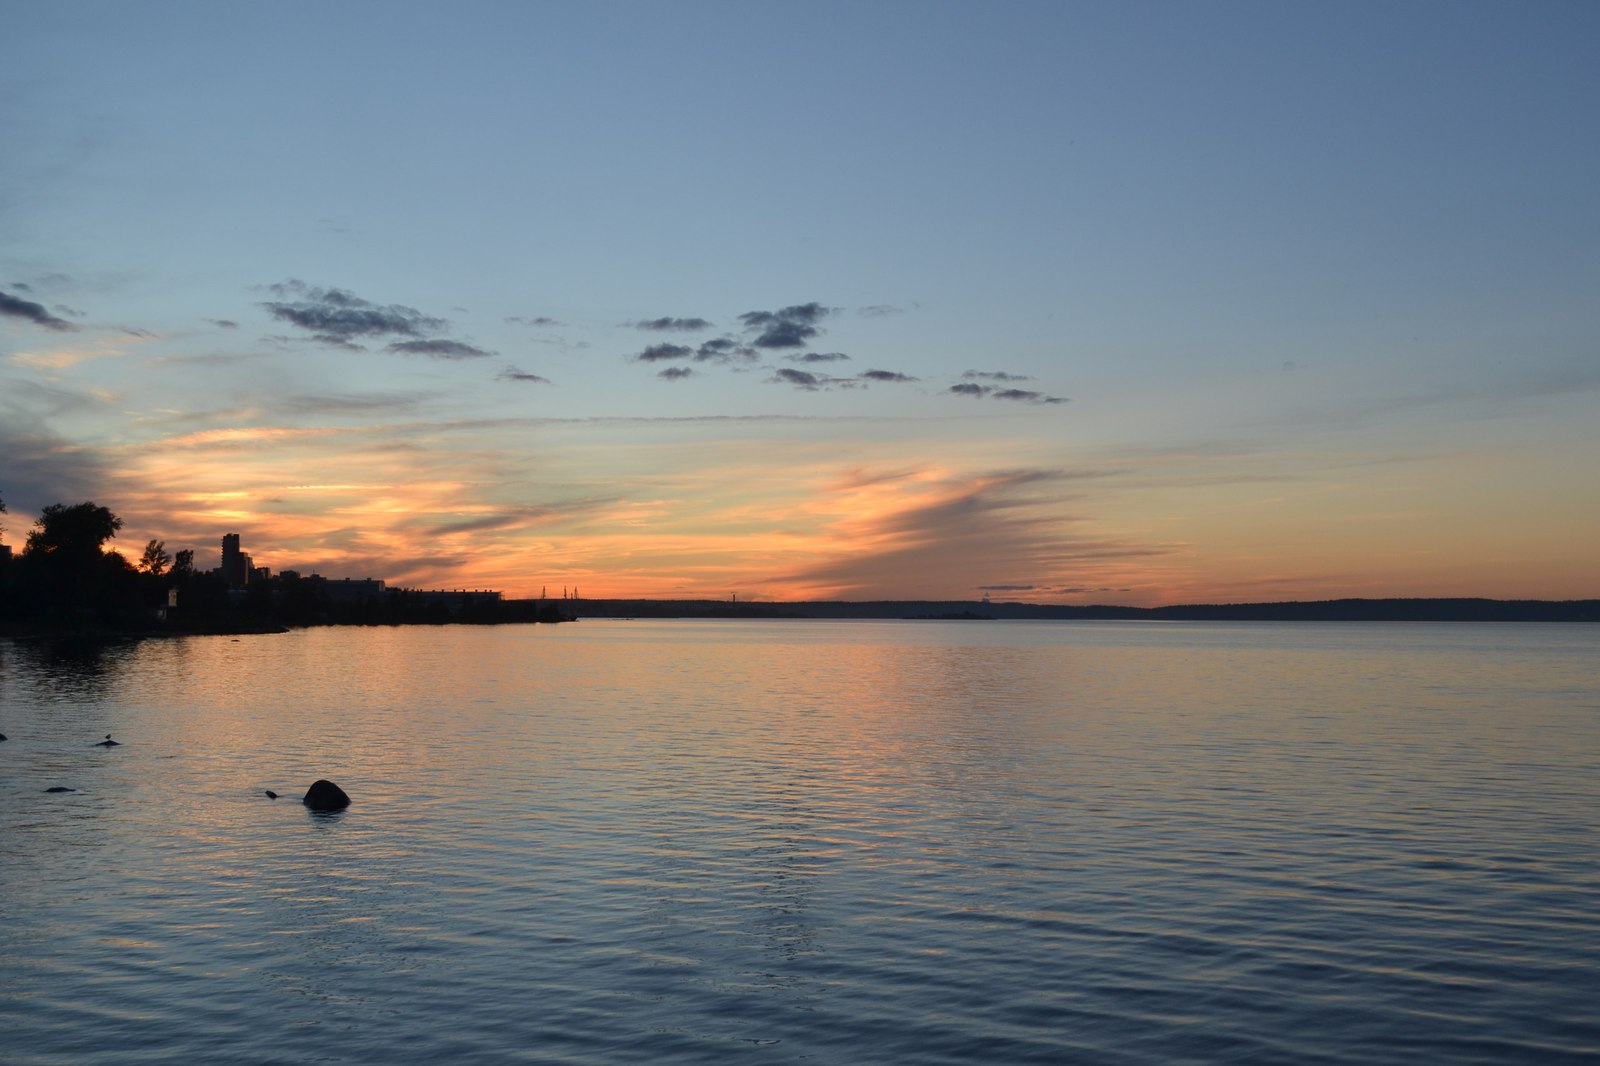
(1225, 308)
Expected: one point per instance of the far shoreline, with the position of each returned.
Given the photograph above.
(1437, 610)
(1459, 609)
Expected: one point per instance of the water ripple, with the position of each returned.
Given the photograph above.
(852, 842)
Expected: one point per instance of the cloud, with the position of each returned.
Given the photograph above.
(223, 323)
(789, 327)
(42, 467)
(994, 375)
(1007, 588)
(879, 311)
(892, 539)
(968, 388)
(658, 352)
(676, 373)
(884, 375)
(346, 404)
(785, 335)
(17, 307)
(337, 317)
(800, 379)
(723, 350)
(662, 325)
(1028, 396)
(281, 340)
(511, 373)
(541, 320)
(514, 518)
(817, 357)
(438, 349)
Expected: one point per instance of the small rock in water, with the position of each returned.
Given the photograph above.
(108, 742)
(325, 796)
(60, 788)
(271, 795)
(2, 736)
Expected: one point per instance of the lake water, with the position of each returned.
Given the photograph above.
(834, 842)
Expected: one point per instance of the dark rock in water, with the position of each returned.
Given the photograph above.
(60, 788)
(108, 742)
(325, 796)
(271, 795)
(2, 736)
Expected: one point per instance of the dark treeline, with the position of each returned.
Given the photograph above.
(65, 580)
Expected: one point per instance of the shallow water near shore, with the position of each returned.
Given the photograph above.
(751, 841)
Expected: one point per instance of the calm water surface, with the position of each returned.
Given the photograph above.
(837, 842)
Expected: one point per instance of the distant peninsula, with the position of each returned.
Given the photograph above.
(66, 583)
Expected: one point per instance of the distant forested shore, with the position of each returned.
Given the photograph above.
(1343, 610)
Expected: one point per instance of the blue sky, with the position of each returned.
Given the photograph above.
(1237, 300)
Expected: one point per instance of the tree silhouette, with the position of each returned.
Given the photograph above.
(65, 579)
(73, 533)
(155, 558)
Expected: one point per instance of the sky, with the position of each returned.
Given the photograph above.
(1131, 302)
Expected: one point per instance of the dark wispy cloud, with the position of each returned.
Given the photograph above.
(788, 327)
(17, 307)
(512, 518)
(879, 311)
(723, 350)
(223, 323)
(512, 373)
(40, 466)
(209, 359)
(657, 353)
(971, 528)
(1028, 396)
(438, 349)
(817, 357)
(969, 388)
(994, 375)
(676, 373)
(800, 379)
(337, 317)
(540, 320)
(283, 340)
(345, 404)
(43, 468)
(811, 382)
(666, 325)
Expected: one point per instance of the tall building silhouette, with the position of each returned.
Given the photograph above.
(235, 563)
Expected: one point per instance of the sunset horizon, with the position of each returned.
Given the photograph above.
(931, 534)
(1139, 306)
